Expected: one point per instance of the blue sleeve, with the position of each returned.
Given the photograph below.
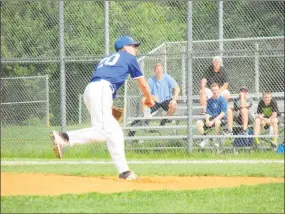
(150, 84)
(224, 105)
(172, 81)
(134, 69)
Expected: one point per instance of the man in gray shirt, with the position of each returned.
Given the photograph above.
(241, 111)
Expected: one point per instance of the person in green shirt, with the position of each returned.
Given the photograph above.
(267, 112)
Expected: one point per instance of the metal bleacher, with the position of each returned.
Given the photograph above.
(177, 129)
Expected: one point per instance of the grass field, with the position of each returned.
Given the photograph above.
(33, 143)
(265, 198)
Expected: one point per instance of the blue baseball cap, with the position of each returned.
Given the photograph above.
(123, 41)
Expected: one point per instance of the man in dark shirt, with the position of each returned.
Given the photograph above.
(267, 112)
(214, 74)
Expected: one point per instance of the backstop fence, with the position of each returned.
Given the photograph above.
(49, 50)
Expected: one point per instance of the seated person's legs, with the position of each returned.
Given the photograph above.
(226, 94)
(171, 108)
(205, 94)
(152, 109)
(218, 126)
(168, 107)
(230, 118)
(266, 123)
(200, 126)
(275, 130)
(143, 122)
(244, 118)
(257, 125)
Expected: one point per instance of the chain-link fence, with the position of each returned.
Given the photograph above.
(65, 40)
(25, 101)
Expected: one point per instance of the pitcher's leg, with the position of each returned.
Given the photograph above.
(230, 119)
(84, 136)
(116, 147)
(93, 96)
(113, 133)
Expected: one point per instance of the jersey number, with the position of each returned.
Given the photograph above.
(111, 60)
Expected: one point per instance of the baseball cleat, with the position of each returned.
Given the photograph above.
(128, 175)
(60, 139)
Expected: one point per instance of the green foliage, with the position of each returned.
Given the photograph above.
(30, 29)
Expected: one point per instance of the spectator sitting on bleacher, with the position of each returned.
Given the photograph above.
(214, 74)
(164, 90)
(267, 112)
(216, 112)
(241, 112)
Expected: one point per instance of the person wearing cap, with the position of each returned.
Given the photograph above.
(240, 112)
(214, 74)
(109, 75)
(267, 113)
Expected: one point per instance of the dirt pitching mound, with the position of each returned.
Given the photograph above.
(52, 184)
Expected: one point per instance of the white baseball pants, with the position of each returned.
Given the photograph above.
(98, 100)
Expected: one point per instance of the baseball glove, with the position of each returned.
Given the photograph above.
(117, 113)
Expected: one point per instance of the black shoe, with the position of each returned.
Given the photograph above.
(164, 121)
(128, 175)
(64, 135)
(273, 145)
(255, 145)
(228, 132)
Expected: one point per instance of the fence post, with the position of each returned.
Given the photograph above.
(125, 103)
(62, 65)
(256, 68)
(221, 27)
(183, 64)
(80, 108)
(47, 97)
(190, 79)
(165, 58)
(106, 27)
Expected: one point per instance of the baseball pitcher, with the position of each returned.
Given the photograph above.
(109, 75)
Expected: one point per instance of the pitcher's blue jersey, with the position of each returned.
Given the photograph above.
(115, 69)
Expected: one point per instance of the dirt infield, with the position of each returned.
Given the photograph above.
(52, 184)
